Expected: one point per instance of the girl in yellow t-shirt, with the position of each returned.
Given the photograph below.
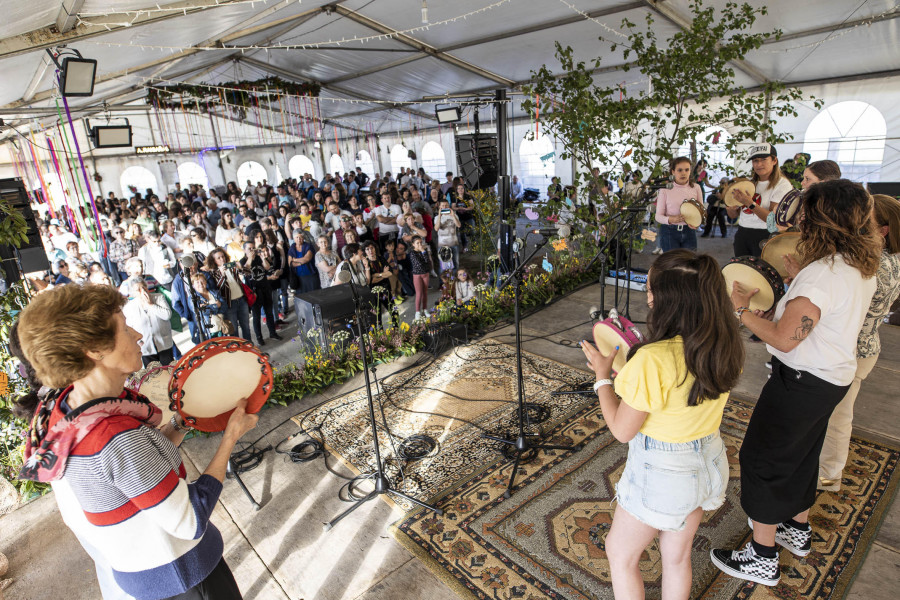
(667, 405)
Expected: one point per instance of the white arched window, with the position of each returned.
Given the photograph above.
(399, 159)
(251, 170)
(336, 164)
(433, 160)
(537, 159)
(139, 178)
(191, 172)
(364, 162)
(299, 165)
(852, 134)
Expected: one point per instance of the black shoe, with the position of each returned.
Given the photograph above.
(796, 541)
(260, 343)
(275, 336)
(747, 564)
(280, 322)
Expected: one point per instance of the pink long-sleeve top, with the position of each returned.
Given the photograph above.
(668, 202)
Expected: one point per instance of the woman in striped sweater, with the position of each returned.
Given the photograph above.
(115, 469)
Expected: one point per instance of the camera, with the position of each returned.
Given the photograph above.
(445, 211)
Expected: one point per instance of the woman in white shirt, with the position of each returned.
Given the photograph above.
(227, 231)
(771, 187)
(812, 338)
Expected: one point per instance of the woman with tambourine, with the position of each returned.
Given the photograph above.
(812, 337)
(771, 187)
(118, 477)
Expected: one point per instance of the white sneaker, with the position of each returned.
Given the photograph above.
(418, 316)
(658, 251)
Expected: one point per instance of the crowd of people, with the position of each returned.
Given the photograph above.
(216, 259)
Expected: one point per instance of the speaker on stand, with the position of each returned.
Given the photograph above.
(31, 255)
(478, 159)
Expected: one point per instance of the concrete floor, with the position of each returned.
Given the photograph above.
(281, 551)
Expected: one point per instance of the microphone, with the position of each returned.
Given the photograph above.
(187, 261)
(562, 230)
(344, 275)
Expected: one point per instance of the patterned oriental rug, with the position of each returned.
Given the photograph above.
(454, 400)
(547, 540)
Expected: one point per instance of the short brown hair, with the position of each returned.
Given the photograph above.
(59, 327)
(825, 170)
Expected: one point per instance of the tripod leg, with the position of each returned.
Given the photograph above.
(512, 476)
(499, 439)
(552, 447)
(243, 487)
(424, 505)
(357, 504)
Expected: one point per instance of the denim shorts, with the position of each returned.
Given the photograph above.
(663, 483)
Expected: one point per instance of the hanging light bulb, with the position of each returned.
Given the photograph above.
(425, 12)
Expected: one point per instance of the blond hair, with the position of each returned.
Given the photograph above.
(59, 327)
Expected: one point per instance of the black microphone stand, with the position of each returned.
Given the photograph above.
(521, 445)
(382, 483)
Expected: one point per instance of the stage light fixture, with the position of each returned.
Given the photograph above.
(111, 136)
(447, 114)
(77, 76)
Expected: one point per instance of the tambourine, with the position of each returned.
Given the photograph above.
(777, 246)
(755, 273)
(786, 211)
(738, 183)
(208, 382)
(615, 331)
(693, 212)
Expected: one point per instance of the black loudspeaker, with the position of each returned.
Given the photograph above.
(478, 159)
(329, 310)
(888, 188)
(31, 254)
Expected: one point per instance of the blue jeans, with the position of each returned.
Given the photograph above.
(677, 236)
(284, 306)
(239, 314)
(663, 482)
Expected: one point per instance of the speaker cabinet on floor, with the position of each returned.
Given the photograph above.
(478, 160)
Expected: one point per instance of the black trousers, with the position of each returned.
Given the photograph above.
(713, 214)
(218, 585)
(165, 357)
(779, 456)
(746, 241)
(263, 303)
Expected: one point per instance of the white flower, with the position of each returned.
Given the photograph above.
(378, 290)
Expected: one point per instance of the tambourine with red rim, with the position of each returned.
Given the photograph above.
(786, 211)
(613, 331)
(754, 273)
(208, 382)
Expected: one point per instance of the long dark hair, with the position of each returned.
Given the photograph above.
(690, 299)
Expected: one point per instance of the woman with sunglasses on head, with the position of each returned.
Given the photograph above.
(812, 337)
(667, 404)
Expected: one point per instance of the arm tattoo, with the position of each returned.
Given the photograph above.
(806, 325)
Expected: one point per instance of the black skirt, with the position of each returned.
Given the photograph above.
(780, 454)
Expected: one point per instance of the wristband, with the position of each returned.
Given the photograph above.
(739, 312)
(601, 382)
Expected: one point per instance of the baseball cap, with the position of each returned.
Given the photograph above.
(761, 151)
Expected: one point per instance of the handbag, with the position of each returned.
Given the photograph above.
(248, 294)
(221, 325)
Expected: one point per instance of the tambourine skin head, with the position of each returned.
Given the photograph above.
(208, 382)
(739, 183)
(693, 212)
(612, 332)
(777, 246)
(755, 273)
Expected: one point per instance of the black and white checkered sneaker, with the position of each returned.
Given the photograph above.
(747, 564)
(797, 541)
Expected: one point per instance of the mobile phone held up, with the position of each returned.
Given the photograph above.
(445, 211)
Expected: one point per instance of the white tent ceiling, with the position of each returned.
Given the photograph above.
(824, 40)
